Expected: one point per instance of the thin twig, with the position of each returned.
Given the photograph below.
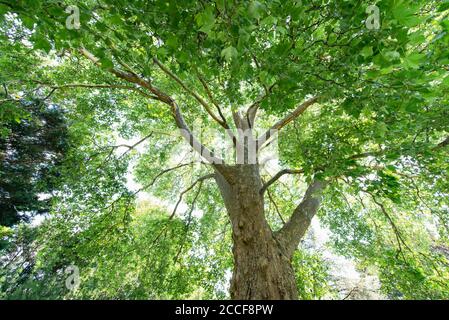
(277, 176)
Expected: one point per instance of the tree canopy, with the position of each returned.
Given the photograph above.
(361, 109)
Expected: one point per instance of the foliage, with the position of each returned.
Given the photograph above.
(378, 133)
(312, 275)
(30, 156)
(33, 135)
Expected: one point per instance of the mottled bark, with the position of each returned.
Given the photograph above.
(262, 259)
(294, 230)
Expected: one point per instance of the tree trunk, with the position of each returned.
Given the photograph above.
(262, 267)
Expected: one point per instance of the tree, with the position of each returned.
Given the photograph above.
(129, 264)
(31, 153)
(361, 109)
(33, 140)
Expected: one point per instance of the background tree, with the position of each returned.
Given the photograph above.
(33, 140)
(362, 114)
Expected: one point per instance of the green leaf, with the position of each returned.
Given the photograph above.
(387, 70)
(391, 55)
(366, 51)
(414, 60)
(381, 129)
(42, 43)
(406, 15)
(269, 21)
(444, 6)
(445, 81)
(172, 42)
(106, 63)
(206, 20)
(255, 9)
(229, 53)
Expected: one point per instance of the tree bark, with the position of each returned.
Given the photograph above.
(262, 259)
(262, 270)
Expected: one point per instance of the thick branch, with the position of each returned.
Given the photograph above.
(283, 122)
(165, 98)
(251, 112)
(133, 78)
(277, 176)
(292, 232)
(191, 92)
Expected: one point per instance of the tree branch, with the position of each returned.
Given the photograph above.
(277, 176)
(166, 99)
(251, 112)
(156, 177)
(189, 221)
(256, 62)
(191, 92)
(6, 90)
(217, 106)
(164, 229)
(275, 206)
(283, 122)
(136, 144)
(292, 232)
(397, 233)
(95, 86)
(199, 180)
(366, 154)
(211, 97)
(133, 78)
